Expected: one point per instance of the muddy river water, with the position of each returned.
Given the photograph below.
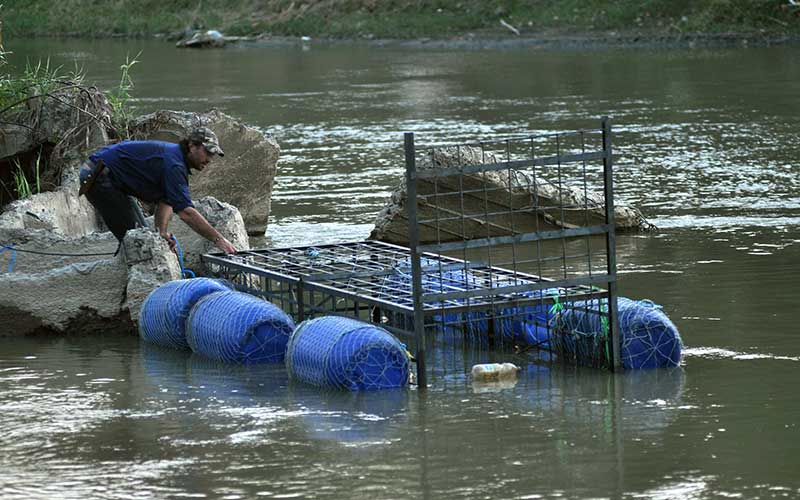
(708, 146)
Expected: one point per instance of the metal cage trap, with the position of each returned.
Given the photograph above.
(502, 236)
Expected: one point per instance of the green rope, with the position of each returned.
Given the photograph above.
(604, 324)
(557, 306)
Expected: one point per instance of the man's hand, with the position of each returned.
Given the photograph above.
(223, 244)
(171, 241)
(196, 221)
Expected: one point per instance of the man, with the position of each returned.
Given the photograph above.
(155, 172)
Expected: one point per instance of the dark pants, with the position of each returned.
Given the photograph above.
(119, 211)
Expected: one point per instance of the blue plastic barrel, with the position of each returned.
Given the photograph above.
(343, 353)
(238, 328)
(162, 319)
(649, 338)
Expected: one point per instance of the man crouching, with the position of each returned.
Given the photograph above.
(155, 172)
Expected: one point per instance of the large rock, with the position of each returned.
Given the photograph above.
(224, 217)
(150, 264)
(60, 211)
(67, 117)
(538, 204)
(77, 284)
(85, 287)
(243, 177)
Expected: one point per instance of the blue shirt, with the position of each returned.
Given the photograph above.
(152, 171)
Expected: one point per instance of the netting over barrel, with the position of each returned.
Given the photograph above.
(344, 353)
(575, 329)
(162, 319)
(649, 338)
(523, 324)
(239, 328)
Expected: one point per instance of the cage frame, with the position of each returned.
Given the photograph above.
(300, 282)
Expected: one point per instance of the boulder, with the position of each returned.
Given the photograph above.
(71, 116)
(77, 284)
(61, 212)
(84, 288)
(40, 134)
(150, 264)
(244, 177)
(15, 139)
(495, 193)
(207, 39)
(224, 217)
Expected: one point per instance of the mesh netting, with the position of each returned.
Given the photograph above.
(530, 324)
(649, 338)
(577, 329)
(239, 328)
(162, 319)
(344, 353)
(521, 325)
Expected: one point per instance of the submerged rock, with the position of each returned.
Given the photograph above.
(208, 39)
(244, 177)
(495, 193)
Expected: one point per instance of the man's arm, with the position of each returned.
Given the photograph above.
(163, 214)
(200, 225)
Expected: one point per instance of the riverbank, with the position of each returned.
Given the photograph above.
(546, 41)
(408, 19)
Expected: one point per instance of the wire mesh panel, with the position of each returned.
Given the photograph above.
(503, 235)
(516, 210)
(649, 339)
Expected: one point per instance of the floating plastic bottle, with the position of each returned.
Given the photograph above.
(494, 372)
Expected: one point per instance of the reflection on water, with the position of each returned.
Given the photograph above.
(706, 144)
(353, 419)
(715, 352)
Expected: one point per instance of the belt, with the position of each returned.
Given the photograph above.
(95, 170)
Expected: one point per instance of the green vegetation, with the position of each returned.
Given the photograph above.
(22, 97)
(36, 80)
(41, 81)
(119, 98)
(398, 18)
(21, 183)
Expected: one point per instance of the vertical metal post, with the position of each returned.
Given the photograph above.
(301, 303)
(376, 315)
(492, 328)
(416, 271)
(611, 248)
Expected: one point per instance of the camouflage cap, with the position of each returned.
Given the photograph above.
(204, 136)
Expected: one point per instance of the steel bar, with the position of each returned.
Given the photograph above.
(611, 245)
(520, 238)
(401, 288)
(515, 164)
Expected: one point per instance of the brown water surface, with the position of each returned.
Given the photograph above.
(708, 146)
